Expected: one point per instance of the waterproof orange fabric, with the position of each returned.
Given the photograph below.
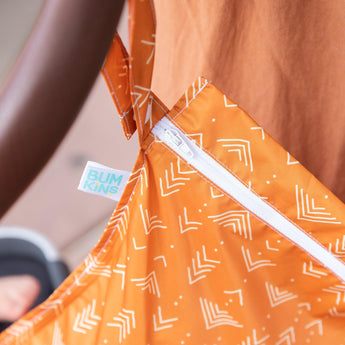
(181, 261)
(282, 61)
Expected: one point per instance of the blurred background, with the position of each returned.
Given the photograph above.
(52, 205)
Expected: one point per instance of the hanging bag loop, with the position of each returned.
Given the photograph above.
(129, 75)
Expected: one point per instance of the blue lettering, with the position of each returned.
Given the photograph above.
(103, 188)
(92, 175)
(115, 180)
(90, 185)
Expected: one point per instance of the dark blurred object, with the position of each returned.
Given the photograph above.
(24, 251)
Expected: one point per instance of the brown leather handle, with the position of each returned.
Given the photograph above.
(48, 86)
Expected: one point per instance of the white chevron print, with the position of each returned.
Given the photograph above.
(148, 116)
(22, 329)
(197, 87)
(239, 292)
(253, 340)
(289, 161)
(287, 337)
(148, 283)
(141, 95)
(306, 209)
(77, 280)
(339, 291)
(228, 105)
(271, 248)
(159, 323)
(55, 305)
(185, 224)
(242, 147)
(181, 171)
(57, 335)
(136, 247)
(171, 183)
(93, 266)
(335, 313)
(305, 304)
(196, 138)
(339, 249)
(87, 319)
(318, 324)
(239, 221)
(310, 271)
(125, 322)
(277, 297)
(150, 43)
(215, 194)
(150, 223)
(161, 257)
(214, 317)
(262, 131)
(120, 221)
(253, 265)
(139, 174)
(200, 267)
(121, 269)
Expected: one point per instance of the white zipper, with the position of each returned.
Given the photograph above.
(168, 133)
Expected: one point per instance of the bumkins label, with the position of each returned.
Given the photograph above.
(101, 180)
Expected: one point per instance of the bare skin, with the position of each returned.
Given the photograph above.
(17, 295)
(48, 86)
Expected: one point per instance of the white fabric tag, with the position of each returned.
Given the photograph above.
(101, 180)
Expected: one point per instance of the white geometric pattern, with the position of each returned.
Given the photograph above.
(310, 271)
(197, 87)
(200, 267)
(87, 319)
(214, 195)
(150, 43)
(252, 340)
(125, 322)
(338, 290)
(317, 323)
(141, 95)
(277, 297)
(339, 247)
(121, 269)
(242, 147)
(57, 335)
(159, 323)
(171, 183)
(289, 161)
(150, 223)
(120, 220)
(227, 105)
(148, 283)
(262, 131)
(93, 266)
(142, 174)
(22, 329)
(238, 220)
(306, 209)
(239, 292)
(253, 265)
(185, 224)
(288, 337)
(214, 317)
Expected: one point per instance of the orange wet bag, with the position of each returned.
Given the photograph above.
(220, 237)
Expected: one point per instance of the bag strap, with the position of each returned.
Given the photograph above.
(129, 75)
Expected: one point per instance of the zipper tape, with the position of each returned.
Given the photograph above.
(173, 137)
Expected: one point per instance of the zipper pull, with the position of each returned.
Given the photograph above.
(174, 138)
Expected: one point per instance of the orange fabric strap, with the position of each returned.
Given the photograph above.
(129, 75)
